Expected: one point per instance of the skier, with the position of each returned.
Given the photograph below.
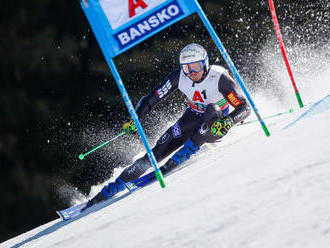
(209, 90)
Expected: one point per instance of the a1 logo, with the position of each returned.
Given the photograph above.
(198, 97)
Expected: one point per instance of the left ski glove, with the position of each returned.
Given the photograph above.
(129, 127)
(221, 127)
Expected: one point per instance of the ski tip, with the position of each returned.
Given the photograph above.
(59, 214)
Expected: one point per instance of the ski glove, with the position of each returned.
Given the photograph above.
(221, 127)
(129, 127)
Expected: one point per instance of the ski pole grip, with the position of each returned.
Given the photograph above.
(160, 178)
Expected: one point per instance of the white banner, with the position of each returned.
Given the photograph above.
(119, 12)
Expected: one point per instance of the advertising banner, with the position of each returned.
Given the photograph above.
(122, 24)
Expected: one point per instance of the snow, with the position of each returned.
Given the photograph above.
(249, 191)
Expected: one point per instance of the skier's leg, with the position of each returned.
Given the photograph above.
(107, 192)
(175, 136)
(201, 135)
(136, 169)
(171, 140)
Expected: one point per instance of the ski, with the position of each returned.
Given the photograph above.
(132, 186)
(71, 212)
(141, 181)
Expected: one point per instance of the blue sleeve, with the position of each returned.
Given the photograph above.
(146, 103)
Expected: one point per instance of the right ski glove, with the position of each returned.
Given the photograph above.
(221, 127)
(129, 127)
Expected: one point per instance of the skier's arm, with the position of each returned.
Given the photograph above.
(229, 89)
(146, 103)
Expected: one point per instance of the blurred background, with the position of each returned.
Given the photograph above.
(58, 98)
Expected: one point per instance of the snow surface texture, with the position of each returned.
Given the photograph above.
(250, 191)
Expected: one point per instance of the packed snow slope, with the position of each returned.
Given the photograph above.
(249, 191)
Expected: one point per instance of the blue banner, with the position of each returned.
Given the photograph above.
(122, 24)
(146, 26)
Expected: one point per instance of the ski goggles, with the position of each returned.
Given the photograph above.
(193, 67)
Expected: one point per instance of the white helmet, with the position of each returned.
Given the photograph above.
(193, 53)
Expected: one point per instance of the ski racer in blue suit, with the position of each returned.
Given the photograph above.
(210, 90)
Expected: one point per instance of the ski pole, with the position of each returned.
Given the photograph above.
(230, 64)
(290, 111)
(82, 156)
(285, 57)
(268, 117)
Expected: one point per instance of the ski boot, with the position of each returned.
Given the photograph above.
(107, 192)
(180, 156)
